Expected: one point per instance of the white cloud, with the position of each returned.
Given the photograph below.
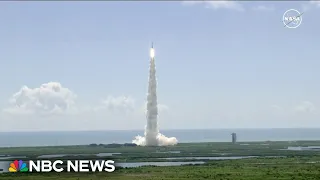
(310, 5)
(316, 3)
(306, 106)
(263, 8)
(54, 99)
(117, 104)
(217, 4)
(50, 105)
(276, 107)
(125, 112)
(162, 108)
(303, 107)
(49, 98)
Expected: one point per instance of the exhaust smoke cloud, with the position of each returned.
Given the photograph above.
(152, 136)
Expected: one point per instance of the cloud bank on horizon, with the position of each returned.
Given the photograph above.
(217, 4)
(52, 98)
(239, 6)
(51, 101)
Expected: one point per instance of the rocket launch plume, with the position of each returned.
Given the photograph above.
(152, 136)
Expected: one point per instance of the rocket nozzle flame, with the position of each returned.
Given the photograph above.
(152, 53)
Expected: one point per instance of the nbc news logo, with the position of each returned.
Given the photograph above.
(57, 166)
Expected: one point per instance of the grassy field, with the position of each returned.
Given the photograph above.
(185, 149)
(288, 165)
(248, 169)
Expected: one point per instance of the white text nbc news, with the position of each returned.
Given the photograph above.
(71, 166)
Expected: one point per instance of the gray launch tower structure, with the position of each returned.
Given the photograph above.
(234, 138)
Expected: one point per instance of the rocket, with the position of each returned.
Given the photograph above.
(152, 51)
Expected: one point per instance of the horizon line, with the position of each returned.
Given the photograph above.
(101, 130)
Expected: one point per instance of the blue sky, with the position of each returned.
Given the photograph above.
(220, 64)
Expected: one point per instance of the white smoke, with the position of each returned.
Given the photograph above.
(161, 140)
(152, 136)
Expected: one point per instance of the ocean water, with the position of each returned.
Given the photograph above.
(16, 139)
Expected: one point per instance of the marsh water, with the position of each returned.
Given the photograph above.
(64, 155)
(11, 157)
(301, 148)
(4, 165)
(211, 158)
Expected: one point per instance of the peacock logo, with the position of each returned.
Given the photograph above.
(18, 166)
